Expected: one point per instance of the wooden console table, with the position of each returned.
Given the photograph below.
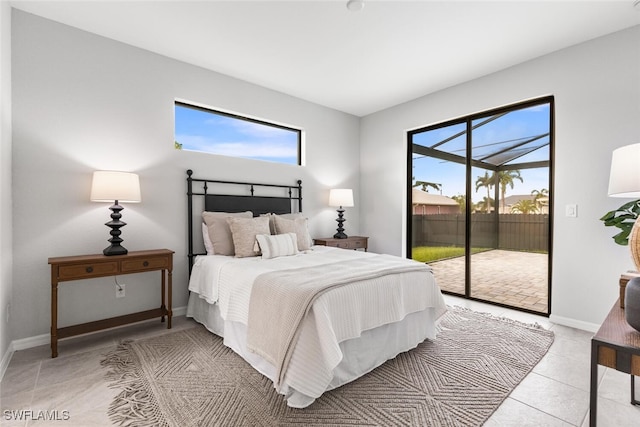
(69, 268)
(616, 345)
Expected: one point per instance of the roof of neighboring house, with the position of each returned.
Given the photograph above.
(420, 197)
(512, 200)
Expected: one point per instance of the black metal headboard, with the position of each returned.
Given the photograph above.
(237, 197)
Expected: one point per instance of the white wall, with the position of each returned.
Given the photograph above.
(6, 283)
(81, 103)
(597, 92)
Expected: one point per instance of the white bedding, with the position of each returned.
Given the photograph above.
(339, 321)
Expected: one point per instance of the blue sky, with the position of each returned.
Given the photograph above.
(199, 130)
(487, 138)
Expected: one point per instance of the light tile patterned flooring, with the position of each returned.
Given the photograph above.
(555, 393)
(517, 279)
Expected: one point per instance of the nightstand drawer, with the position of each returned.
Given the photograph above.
(142, 264)
(79, 271)
(351, 242)
(344, 245)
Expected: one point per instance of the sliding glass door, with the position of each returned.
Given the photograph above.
(480, 204)
(438, 197)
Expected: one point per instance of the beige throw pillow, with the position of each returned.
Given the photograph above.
(219, 231)
(272, 219)
(244, 231)
(298, 226)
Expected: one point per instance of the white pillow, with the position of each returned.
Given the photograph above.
(277, 246)
(244, 231)
(297, 226)
(219, 231)
(207, 240)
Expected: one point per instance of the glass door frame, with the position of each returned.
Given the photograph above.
(469, 164)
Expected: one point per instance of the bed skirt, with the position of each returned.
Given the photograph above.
(360, 355)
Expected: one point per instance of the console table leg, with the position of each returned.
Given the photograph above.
(54, 319)
(593, 395)
(633, 391)
(169, 296)
(162, 289)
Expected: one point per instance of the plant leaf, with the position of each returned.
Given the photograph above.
(623, 218)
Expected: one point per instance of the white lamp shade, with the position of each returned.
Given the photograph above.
(341, 197)
(108, 186)
(624, 178)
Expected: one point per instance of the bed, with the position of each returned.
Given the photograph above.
(348, 311)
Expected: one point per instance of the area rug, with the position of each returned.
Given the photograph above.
(189, 378)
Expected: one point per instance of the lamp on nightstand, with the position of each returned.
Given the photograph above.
(340, 197)
(624, 181)
(113, 186)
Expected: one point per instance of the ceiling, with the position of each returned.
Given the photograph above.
(358, 62)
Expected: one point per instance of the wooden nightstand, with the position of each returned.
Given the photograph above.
(64, 269)
(351, 242)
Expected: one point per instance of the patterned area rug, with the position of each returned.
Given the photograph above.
(189, 378)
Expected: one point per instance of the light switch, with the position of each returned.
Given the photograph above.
(571, 210)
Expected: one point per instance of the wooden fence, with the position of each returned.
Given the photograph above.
(520, 232)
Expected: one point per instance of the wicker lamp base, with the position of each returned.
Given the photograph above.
(632, 291)
(634, 244)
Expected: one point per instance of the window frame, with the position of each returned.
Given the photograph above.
(217, 112)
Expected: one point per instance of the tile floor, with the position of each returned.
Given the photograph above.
(555, 393)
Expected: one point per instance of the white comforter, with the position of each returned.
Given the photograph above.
(336, 316)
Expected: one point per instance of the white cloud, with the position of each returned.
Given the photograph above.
(270, 149)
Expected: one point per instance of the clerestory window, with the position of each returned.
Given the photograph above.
(216, 132)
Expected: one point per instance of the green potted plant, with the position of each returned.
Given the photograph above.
(624, 218)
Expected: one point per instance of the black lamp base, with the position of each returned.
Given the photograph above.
(340, 234)
(115, 224)
(115, 250)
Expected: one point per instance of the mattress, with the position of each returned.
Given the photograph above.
(340, 339)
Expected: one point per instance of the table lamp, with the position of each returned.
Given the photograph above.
(624, 181)
(114, 186)
(340, 197)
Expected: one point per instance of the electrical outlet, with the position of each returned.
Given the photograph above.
(120, 290)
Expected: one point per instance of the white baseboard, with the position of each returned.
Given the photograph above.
(573, 323)
(6, 358)
(38, 340)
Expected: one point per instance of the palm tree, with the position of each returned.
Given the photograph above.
(485, 181)
(537, 195)
(462, 202)
(426, 184)
(485, 204)
(524, 206)
(507, 177)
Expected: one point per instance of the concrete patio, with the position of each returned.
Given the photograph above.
(517, 279)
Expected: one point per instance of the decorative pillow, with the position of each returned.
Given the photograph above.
(244, 231)
(298, 226)
(219, 231)
(207, 240)
(277, 246)
(272, 219)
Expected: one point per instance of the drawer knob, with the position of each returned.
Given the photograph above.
(145, 264)
(89, 269)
